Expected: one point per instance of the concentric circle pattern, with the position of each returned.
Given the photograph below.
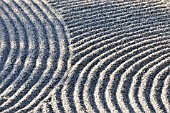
(85, 56)
(33, 54)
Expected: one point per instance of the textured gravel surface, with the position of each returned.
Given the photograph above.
(85, 56)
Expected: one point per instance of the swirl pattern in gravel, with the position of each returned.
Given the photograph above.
(34, 54)
(85, 56)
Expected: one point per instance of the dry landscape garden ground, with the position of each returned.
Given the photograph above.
(84, 56)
